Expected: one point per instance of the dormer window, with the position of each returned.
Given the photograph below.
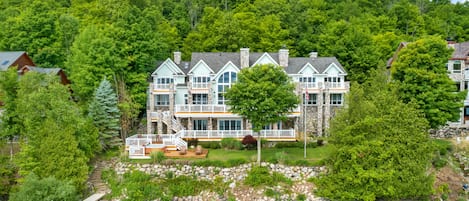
(457, 67)
(200, 82)
(308, 82)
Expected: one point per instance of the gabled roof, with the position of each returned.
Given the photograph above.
(295, 64)
(8, 58)
(217, 60)
(42, 70)
(461, 50)
(171, 65)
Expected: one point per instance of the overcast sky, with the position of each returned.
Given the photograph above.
(454, 1)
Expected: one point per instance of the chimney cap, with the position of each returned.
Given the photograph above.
(313, 55)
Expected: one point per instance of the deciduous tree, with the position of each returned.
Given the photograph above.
(420, 74)
(263, 94)
(49, 188)
(381, 148)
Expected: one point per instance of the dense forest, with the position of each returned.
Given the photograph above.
(118, 43)
(123, 40)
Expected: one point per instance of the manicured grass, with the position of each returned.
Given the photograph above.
(312, 154)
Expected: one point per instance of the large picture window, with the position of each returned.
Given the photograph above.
(229, 125)
(200, 99)
(224, 83)
(336, 99)
(200, 124)
(312, 99)
(162, 99)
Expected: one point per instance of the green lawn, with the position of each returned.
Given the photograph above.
(312, 154)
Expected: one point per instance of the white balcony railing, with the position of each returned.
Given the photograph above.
(208, 134)
(208, 108)
(202, 108)
(200, 85)
(322, 85)
(163, 86)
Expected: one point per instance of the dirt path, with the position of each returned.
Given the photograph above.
(95, 178)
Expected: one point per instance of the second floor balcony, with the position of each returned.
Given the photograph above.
(200, 85)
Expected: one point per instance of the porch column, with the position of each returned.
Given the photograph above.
(320, 113)
(189, 123)
(209, 124)
(327, 109)
(248, 125)
(171, 109)
(274, 126)
(151, 108)
(160, 122)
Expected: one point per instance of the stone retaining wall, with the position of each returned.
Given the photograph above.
(449, 132)
(295, 173)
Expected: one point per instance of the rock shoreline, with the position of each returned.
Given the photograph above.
(233, 175)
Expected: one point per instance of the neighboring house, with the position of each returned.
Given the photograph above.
(14, 59)
(17, 59)
(458, 71)
(185, 99)
(55, 71)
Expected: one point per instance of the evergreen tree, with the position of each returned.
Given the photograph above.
(105, 114)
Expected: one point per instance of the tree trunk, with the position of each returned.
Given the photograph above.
(258, 148)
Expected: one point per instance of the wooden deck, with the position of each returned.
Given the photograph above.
(189, 154)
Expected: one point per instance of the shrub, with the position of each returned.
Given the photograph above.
(231, 143)
(281, 157)
(210, 145)
(192, 142)
(169, 174)
(249, 142)
(207, 163)
(439, 162)
(301, 197)
(236, 162)
(157, 157)
(320, 142)
(258, 176)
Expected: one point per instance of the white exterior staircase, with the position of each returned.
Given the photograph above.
(175, 125)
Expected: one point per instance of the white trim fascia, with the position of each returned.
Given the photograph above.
(308, 65)
(268, 56)
(171, 65)
(197, 66)
(222, 70)
(333, 65)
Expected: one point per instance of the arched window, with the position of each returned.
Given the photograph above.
(224, 83)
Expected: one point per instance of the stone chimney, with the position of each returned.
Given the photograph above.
(177, 57)
(283, 57)
(313, 55)
(244, 56)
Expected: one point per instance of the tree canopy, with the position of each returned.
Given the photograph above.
(263, 94)
(420, 74)
(381, 148)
